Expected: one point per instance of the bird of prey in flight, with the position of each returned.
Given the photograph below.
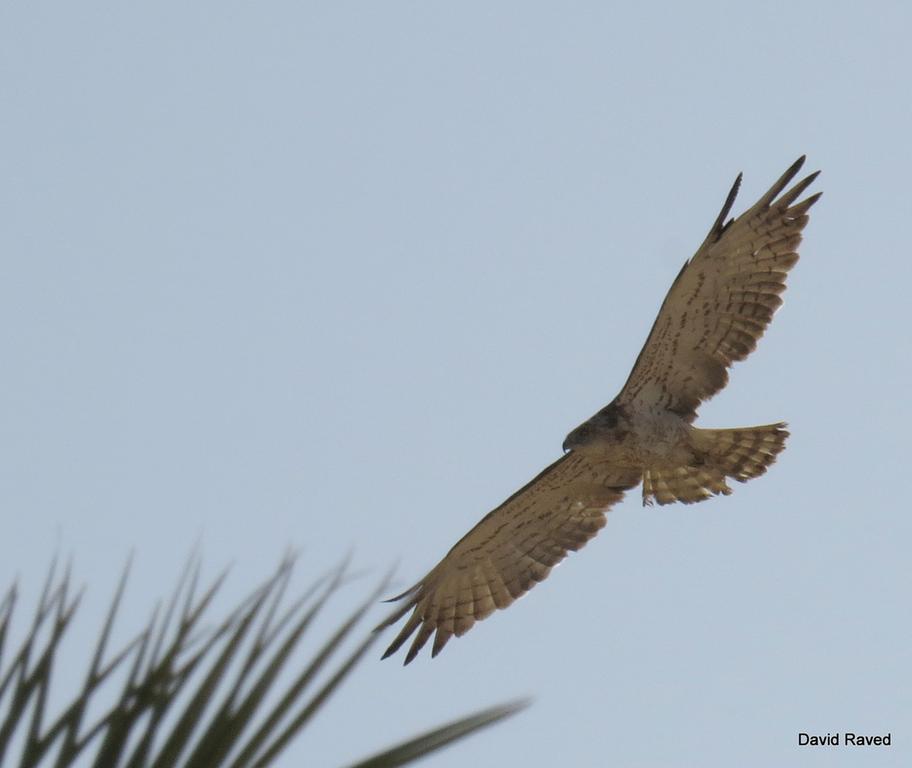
(717, 309)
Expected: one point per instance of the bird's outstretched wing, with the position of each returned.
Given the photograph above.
(510, 550)
(722, 301)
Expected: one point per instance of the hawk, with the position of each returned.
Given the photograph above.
(717, 309)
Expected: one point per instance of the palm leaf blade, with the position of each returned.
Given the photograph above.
(441, 737)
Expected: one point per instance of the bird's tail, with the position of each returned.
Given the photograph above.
(741, 454)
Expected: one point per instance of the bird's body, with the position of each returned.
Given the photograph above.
(717, 308)
(648, 437)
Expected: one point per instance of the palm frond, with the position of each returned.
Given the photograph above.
(440, 737)
(192, 694)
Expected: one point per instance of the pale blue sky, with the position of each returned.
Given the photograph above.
(343, 275)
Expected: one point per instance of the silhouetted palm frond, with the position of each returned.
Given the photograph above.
(190, 695)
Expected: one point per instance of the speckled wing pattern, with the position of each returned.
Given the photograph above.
(514, 547)
(722, 300)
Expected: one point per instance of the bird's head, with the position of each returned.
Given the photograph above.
(603, 426)
(577, 437)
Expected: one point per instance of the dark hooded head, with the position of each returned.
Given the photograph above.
(601, 426)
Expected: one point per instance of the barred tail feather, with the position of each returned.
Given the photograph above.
(741, 454)
(744, 453)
